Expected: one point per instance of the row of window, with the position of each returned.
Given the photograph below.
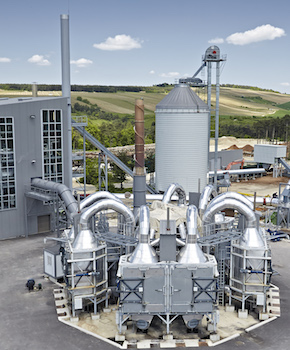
(51, 152)
(7, 164)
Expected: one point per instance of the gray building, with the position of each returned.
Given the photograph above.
(33, 143)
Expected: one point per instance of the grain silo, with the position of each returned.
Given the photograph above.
(182, 120)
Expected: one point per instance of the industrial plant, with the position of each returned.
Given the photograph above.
(168, 268)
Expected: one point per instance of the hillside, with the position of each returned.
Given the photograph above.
(233, 101)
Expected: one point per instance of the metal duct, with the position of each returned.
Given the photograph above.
(182, 230)
(94, 197)
(144, 253)
(175, 187)
(104, 205)
(230, 203)
(205, 196)
(233, 195)
(251, 237)
(191, 253)
(62, 190)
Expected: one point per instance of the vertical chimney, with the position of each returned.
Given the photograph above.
(65, 69)
(139, 181)
(34, 89)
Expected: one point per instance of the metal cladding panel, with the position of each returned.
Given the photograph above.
(268, 153)
(181, 153)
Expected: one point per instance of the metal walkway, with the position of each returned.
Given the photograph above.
(114, 158)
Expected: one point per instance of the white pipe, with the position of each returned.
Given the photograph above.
(94, 197)
(233, 195)
(205, 197)
(106, 204)
(175, 187)
(251, 221)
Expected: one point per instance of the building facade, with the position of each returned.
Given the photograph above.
(33, 143)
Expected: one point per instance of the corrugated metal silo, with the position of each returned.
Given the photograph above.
(181, 153)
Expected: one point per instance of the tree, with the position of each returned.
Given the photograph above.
(119, 175)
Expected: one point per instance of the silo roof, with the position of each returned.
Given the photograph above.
(182, 97)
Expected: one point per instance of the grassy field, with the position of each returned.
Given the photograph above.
(233, 101)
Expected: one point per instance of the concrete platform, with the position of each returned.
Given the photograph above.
(29, 319)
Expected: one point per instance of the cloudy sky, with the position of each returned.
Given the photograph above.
(146, 42)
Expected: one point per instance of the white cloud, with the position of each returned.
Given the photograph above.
(119, 42)
(285, 84)
(5, 60)
(39, 60)
(82, 62)
(216, 41)
(170, 75)
(152, 72)
(261, 33)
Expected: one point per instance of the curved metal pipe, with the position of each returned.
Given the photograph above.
(144, 224)
(232, 203)
(94, 197)
(62, 190)
(233, 195)
(175, 187)
(205, 196)
(104, 205)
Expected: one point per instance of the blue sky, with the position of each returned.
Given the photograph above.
(146, 42)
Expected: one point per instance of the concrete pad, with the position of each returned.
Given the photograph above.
(167, 344)
(107, 310)
(168, 337)
(119, 337)
(263, 316)
(191, 342)
(95, 316)
(242, 314)
(230, 308)
(214, 337)
(74, 319)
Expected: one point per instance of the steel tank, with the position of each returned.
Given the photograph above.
(181, 153)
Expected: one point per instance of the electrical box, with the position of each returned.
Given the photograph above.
(52, 262)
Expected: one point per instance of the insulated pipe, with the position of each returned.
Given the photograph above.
(175, 187)
(205, 196)
(94, 197)
(182, 230)
(233, 195)
(62, 190)
(231, 203)
(191, 221)
(104, 205)
(144, 253)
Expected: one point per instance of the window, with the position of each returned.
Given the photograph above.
(52, 153)
(7, 164)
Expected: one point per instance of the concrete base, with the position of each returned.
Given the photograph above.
(168, 337)
(107, 310)
(95, 316)
(168, 344)
(214, 337)
(74, 319)
(230, 308)
(263, 316)
(242, 314)
(119, 337)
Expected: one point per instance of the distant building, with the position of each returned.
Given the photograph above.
(33, 143)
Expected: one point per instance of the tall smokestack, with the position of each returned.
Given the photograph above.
(65, 70)
(139, 181)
